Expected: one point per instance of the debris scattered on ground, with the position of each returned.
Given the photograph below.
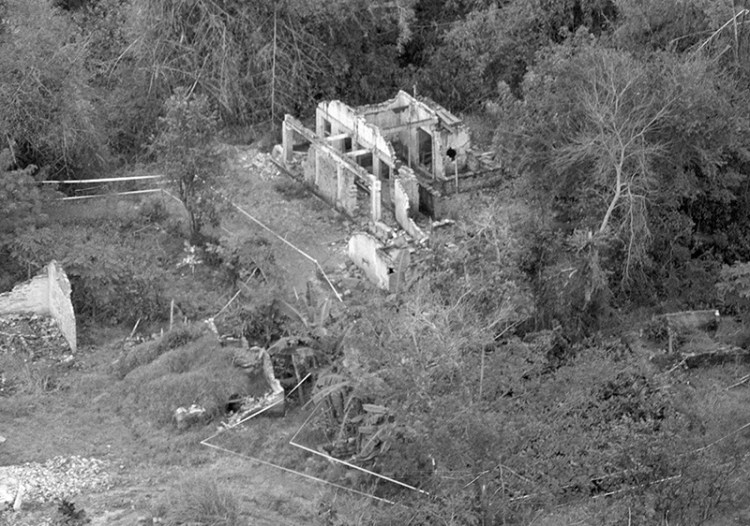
(55, 479)
(250, 405)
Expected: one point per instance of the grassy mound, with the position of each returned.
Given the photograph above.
(197, 372)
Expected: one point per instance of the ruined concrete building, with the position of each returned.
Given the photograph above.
(404, 145)
(403, 153)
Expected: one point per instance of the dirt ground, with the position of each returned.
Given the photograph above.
(289, 210)
(75, 416)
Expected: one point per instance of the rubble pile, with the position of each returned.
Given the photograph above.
(259, 163)
(57, 478)
(31, 335)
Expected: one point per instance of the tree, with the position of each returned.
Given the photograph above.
(586, 138)
(615, 143)
(186, 150)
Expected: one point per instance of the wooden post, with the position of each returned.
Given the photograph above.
(171, 314)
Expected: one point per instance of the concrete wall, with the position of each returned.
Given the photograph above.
(46, 294)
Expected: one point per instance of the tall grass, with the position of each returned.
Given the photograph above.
(199, 501)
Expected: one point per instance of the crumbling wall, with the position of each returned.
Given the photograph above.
(402, 206)
(46, 294)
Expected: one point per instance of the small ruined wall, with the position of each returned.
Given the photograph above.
(60, 305)
(364, 252)
(402, 206)
(46, 294)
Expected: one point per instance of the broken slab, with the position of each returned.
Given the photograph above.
(46, 294)
(384, 266)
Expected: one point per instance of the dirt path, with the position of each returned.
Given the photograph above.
(292, 212)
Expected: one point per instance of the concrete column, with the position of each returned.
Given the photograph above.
(437, 154)
(375, 164)
(375, 204)
(287, 141)
(413, 147)
(319, 122)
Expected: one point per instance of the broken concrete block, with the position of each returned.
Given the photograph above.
(187, 417)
